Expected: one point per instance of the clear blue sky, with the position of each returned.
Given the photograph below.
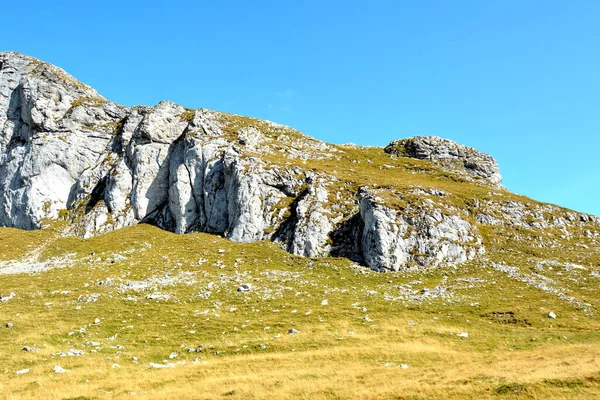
(517, 79)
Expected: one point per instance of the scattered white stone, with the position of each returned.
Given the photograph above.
(59, 370)
(404, 366)
(115, 365)
(293, 331)
(97, 321)
(75, 353)
(158, 296)
(325, 302)
(117, 258)
(173, 355)
(22, 371)
(246, 287)
(4, 299)
(463, 335)
(156, 365)
(9, 325)
(27, 348)
(552, 315)
(388, 364)
(90, 299)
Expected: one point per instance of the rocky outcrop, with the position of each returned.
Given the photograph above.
(420, 237)
(52, 129)
(66, 152)
(447, 153)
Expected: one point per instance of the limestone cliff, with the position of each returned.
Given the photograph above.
(68, 153)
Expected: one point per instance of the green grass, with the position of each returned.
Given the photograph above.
(340, 351)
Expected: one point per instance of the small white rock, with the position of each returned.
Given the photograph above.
(552, 315)
(4, 299)
(22, 371)
(463, 335)
(156, 365)
(245, 287)
(59, 370)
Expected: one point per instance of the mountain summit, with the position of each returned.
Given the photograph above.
(67, 153)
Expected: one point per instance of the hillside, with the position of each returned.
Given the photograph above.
(164, 252)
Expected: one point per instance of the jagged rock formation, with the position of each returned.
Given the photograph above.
(390, 239)
(449, 154)
(68, 153)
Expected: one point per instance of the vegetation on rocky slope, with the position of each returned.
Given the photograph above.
(140, 297)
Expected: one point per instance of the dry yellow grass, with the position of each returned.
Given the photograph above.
(436, 371)
(338, 354)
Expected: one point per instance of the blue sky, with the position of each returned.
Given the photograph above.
(517, 79)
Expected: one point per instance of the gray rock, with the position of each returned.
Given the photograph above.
(450, 154)
(59, 370)
(423, 237)
(246, 287)
(66, 152)
(293, 331)
(4, 299)
(158, 296)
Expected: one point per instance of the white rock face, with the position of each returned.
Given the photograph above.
(45, 143)
(423, 237)
(65, 151)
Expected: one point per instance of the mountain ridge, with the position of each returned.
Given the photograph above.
(68, 153)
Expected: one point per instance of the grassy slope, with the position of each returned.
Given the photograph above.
(341, 351)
